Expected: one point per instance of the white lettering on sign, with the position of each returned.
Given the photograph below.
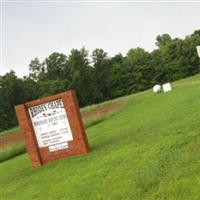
(58, 147)
(51, 124)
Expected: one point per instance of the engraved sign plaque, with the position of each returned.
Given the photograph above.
(50, 123)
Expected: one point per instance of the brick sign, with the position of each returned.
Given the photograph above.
(52, 128)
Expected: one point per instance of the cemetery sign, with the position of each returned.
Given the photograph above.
(52, 128)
